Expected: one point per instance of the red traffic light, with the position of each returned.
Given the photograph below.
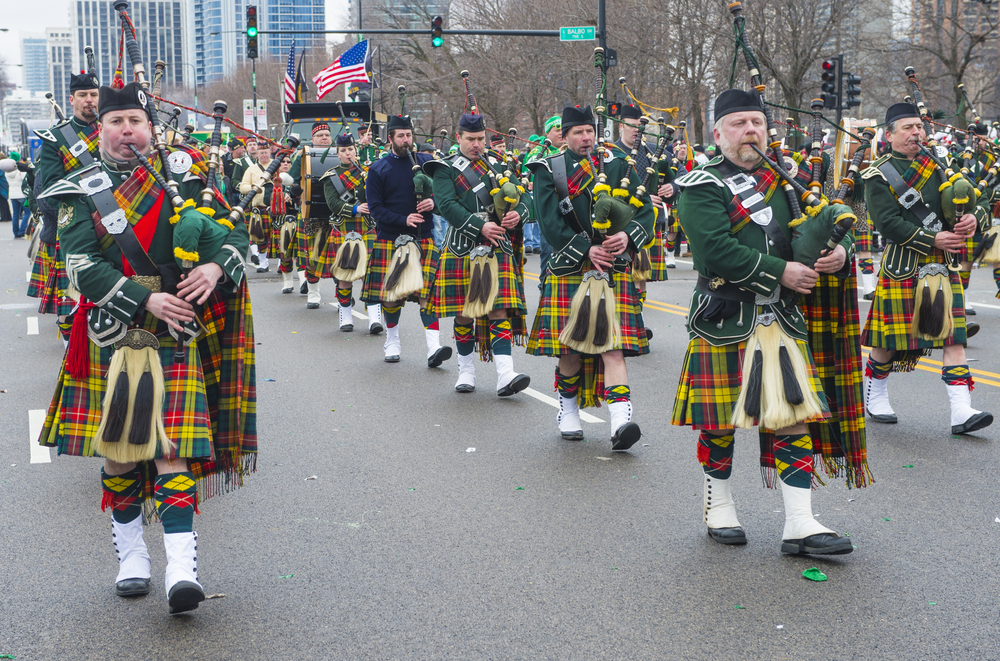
(436, 22)
(829, 64)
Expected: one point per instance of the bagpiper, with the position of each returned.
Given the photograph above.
(166, 413)
(919, 303)
(479, 281)
(353, 231)
(404, 260)
(589, 309)
(66, 147)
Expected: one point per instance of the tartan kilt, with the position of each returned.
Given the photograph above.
(304, 243)
(658, 258)
(971, 243)
(710, 385)
(863, 241)
(378, 268)
(890, 318)
(553, 313)
(74, 414)
(40, 269)
(53, 299)
(452, 283)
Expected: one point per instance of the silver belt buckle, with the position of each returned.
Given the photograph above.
(78, 147)
(909, 198)
(565, 206)
(115, 222)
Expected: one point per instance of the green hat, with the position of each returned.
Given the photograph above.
(555, 121)
(453, 149)
(534, 138)
(15, 156)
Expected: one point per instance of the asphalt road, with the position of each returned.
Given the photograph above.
(410, 545)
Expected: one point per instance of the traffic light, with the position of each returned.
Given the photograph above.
(251, 32)
(853, 90)
(436, 39)
(830, 95)
(614, 109)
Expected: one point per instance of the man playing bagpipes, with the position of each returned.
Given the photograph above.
(165, 415)
(977, 160)
(312, 232)
(748, 362)
(259, 214)
(404, 260)
(589, 309)
(240, 166)
(651, 262)
(919, 302)
(66, 147)
(479, 281)
(353, 231)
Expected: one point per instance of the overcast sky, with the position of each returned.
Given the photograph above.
(33, 16)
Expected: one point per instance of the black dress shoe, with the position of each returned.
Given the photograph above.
(263, 269)
(575, 435)
(869, 297)
(825, 543)
(347, 328)
(516, 385)
(286, 290)
(970, 312)
(304, 289)
(465, 388)
(974, 423)
(375, 329)
(392, 359)
(132, 587)
(312, 306)
(886, 419)
(254, 259)
(439, 356)
(732, 536)
(971, 328)
(185, 596)
(626, 436)
(649, 333)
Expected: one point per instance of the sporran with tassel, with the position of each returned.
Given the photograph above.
(352, 258)
(484, 283)
(593, 326)
(405, 275)
(932, 317)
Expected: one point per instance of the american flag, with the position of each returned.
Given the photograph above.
(290, 76)
(350, 67)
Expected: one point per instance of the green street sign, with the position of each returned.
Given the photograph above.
(578, 34)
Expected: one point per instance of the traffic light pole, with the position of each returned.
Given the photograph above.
(840, 87)
(254, 109)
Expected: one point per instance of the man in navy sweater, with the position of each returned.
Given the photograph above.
(392, 202)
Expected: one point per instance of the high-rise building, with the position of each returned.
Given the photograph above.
(412, 14)
(291, 15)
(59, 51)
(36, 71)
(159, 28)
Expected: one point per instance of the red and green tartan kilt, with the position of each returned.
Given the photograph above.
(862, 240)
(890, 319)
(710, 385)
(54, 299)
(553, 313)
(304, 244)
(75, 411)
(452, 283)
(378, 267)
(44, 259)
(658, 258)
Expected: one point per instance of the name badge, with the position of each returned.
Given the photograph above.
(752, 200)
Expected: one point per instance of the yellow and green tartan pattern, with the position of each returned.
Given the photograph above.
(452, 284)
(53, 299)
(44, 259)
(303, 251)
(890, 318)
(71, 162)
(710, 385)
(378, 268)
(74, 414)
(658, 258)
(553, 314)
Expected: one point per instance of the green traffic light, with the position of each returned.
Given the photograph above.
(437, 42)
(251, 32)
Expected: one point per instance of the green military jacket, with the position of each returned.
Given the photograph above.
(906, 238)
(728, 249)
(58, 156)
(93, 258)
(458, 203)
(368, 154)
(353, 181)
(240, 166)
(572, 235)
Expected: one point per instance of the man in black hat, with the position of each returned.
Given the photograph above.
(977, 159)
(174, 421)
(905, 204)
(66, 147)
(663, 175)
(736, 217)
(479, 257)
(583, 256)
(401, 218)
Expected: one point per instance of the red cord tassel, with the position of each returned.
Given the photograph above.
(78, 353)
(107, 500)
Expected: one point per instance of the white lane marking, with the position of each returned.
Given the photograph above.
(986, 305)
(552, 401)
(27, 276)
(18, 306)
(39, 455)
(359, 315)
(32, 325)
